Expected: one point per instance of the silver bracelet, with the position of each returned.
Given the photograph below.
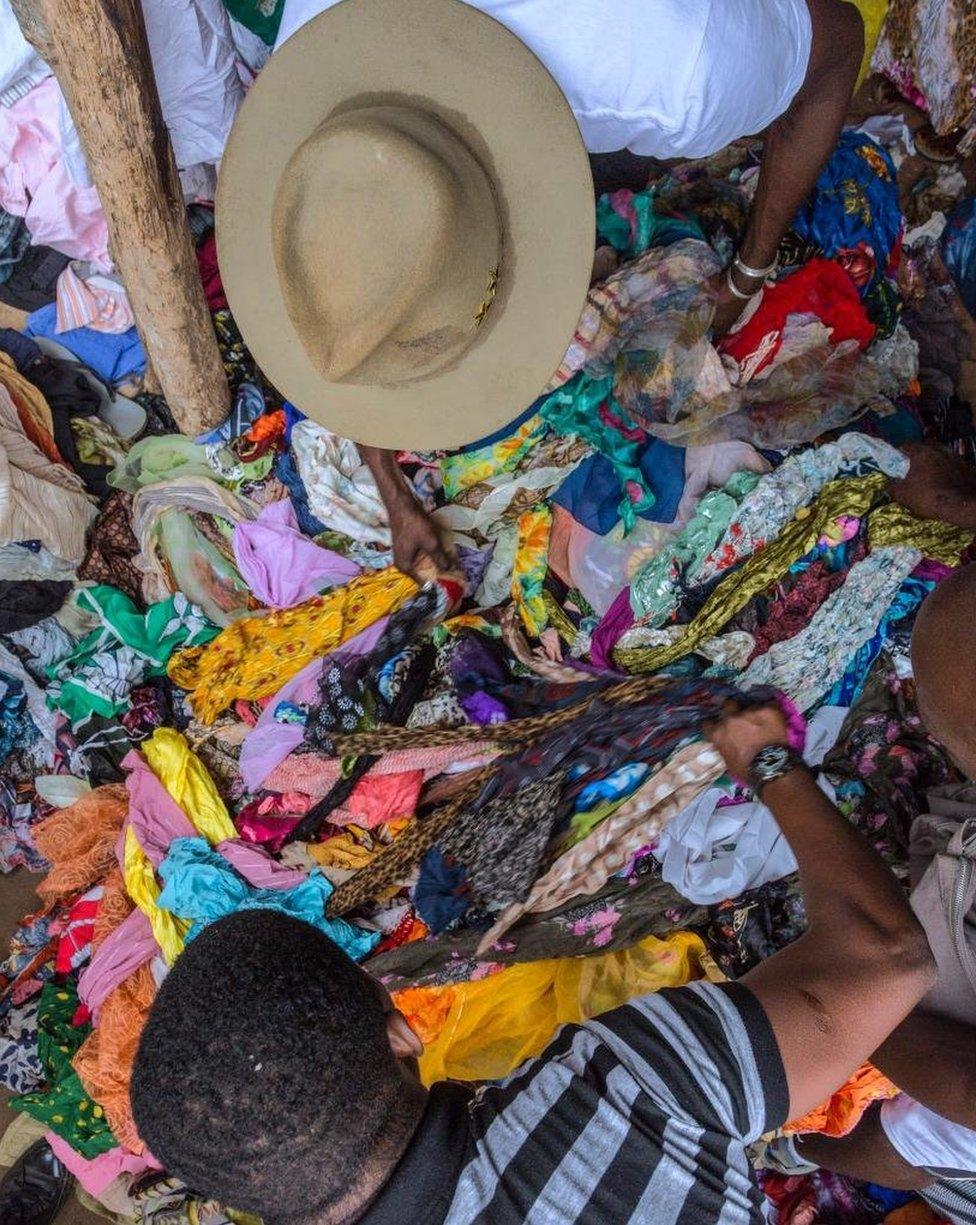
(754, 274)
(736, 292)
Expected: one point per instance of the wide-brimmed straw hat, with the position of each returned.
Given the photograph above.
(405, 222)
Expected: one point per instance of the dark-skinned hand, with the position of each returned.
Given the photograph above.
(416, 540)
(728, 307)
(740, 733)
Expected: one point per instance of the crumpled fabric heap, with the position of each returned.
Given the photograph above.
(201, 886)
(39, 499)
(821, 288)
(854, 217)
(251, 707)
(183, 526)
(99, 672)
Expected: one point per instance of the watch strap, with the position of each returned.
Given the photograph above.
(772, 762)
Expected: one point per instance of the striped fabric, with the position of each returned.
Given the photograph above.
(92, 300)
(954, 1200)
(640, 1115)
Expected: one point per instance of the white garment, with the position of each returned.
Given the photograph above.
(709, 853)
(43, 173)
(195, 62)
(928, 1141)
(341, 490)
(664, 78)
(21, 68)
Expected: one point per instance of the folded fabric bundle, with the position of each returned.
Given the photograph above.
(87, 298)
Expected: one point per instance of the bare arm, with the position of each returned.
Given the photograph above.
(863, 964)
(799, 143)
(866, 1153)
(933, 1060)
(414, 533)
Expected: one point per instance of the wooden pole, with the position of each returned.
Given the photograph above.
(99, 51)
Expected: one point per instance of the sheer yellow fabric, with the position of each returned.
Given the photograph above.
(482, 1030)
(253, 657)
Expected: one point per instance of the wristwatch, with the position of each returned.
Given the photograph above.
(771, 763)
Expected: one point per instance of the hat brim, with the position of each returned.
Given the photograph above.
(480, 79)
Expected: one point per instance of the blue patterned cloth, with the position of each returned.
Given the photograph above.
(854, 202)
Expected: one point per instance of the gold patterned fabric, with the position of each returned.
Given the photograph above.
(848, 496)
(894, 525)
(253, 657)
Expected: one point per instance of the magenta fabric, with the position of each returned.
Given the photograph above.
(929, 570)
(270, 742)
(282, 566)
(796, 724)
(120, 954)
(270, 818)
(46, 182)
(96, 1173)
(153, 813)
(270, 831)
(615, 622)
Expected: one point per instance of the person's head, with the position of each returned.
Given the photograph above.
(944, 662)
(273, 1074)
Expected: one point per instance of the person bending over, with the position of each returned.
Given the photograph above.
(650, 80)
(925, 1139)
(274, 1075)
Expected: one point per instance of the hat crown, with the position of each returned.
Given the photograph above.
(388, 243)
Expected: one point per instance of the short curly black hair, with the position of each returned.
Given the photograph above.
(264, 1077)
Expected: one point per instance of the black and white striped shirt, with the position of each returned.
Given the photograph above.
(640, 1115)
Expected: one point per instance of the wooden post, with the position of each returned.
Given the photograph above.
(99, 51)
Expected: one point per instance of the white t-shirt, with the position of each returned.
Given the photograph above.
(663, 78)
(928, 1141)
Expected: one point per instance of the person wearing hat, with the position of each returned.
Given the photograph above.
(405, 214)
